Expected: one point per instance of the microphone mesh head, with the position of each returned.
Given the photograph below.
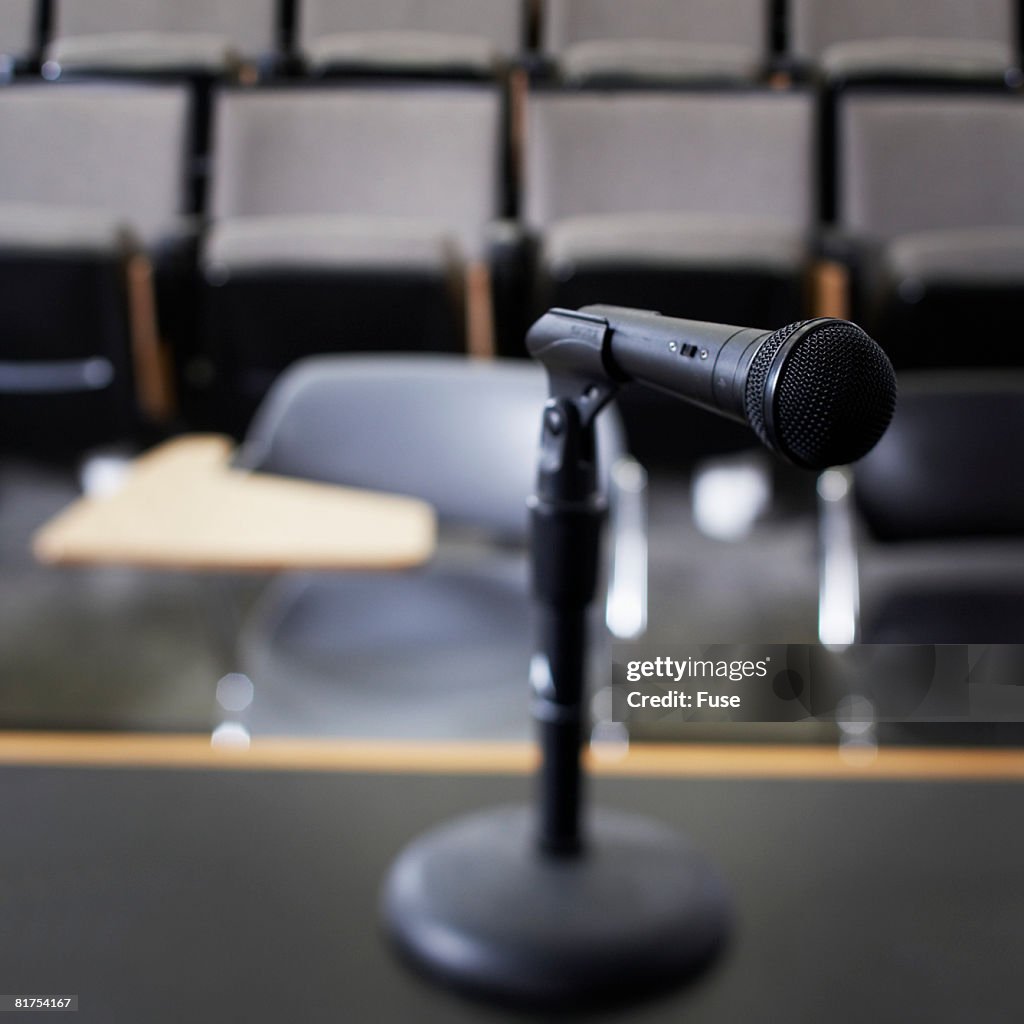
(832, 399)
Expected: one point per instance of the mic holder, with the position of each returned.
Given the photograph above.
(548, 907)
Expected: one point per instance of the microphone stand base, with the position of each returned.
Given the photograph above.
(477, 906)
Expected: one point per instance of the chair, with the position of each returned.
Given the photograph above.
(647, 40)
(935, 517)
(922, 542)
(440, 37)
(92, 190)
(929, 205)
(697, 203)
(443, 651)
(186, 36)
(912, 38)
(347, 219)
(18, 35)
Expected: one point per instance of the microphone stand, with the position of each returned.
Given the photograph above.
(567, 515)
(535, 908)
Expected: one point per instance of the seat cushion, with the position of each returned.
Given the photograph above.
(38, 227)
(674, 240)
(144, 51)
(654, 59)
(341, 242)
(982, 256)
(426, 51)
(916, 57)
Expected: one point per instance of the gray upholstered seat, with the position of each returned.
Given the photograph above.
(698, 203)
(725, 154)
(40, 227)
(931, 183)
(17, 33)
(92, 174)
(983, 256)
(656, 39)
(344, 219)
(440, 36)
(912, 163)
(916, 58)
(674, 240)
(440, 652)
(339, 241)
(367, 152)
(113, 149)
(912, 37)
(414, 152)
(153, 35)
(143, 52)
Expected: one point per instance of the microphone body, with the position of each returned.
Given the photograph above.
(819, 392)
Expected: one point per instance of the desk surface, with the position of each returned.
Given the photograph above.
(184, 507)
(209, 895)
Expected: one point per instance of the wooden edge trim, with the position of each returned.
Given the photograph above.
(831, 289)
(518, 91)
(154, 388)
(479, 311)
(725, 761)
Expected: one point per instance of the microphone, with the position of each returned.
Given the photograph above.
(819, 392)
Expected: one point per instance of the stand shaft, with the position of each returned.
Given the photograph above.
(567, 516)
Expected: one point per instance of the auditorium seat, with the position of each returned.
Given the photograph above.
(346, 219)
(922, 543)
(935, 520)
(153, 36)
(650, 40)
(929, 207)
(92, 191)
(439, 652)
(908, 38)
(697, 203)
(438, 37)
(18, 31)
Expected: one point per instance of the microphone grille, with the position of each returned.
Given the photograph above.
(833, 396)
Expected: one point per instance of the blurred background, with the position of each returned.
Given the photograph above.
(198, 198)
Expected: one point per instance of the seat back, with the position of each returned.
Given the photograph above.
(17, 29)
(735, 153)
(919, 162)
(693, 202)
(721, 22)
(406, 152)
(460, 434)
(499, 22)
(947, 466)
(250, 25)
(815, 25)
(119, 150)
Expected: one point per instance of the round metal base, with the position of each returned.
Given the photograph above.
(476, 905)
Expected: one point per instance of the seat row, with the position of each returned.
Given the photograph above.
(580, 40)
(358, 217)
